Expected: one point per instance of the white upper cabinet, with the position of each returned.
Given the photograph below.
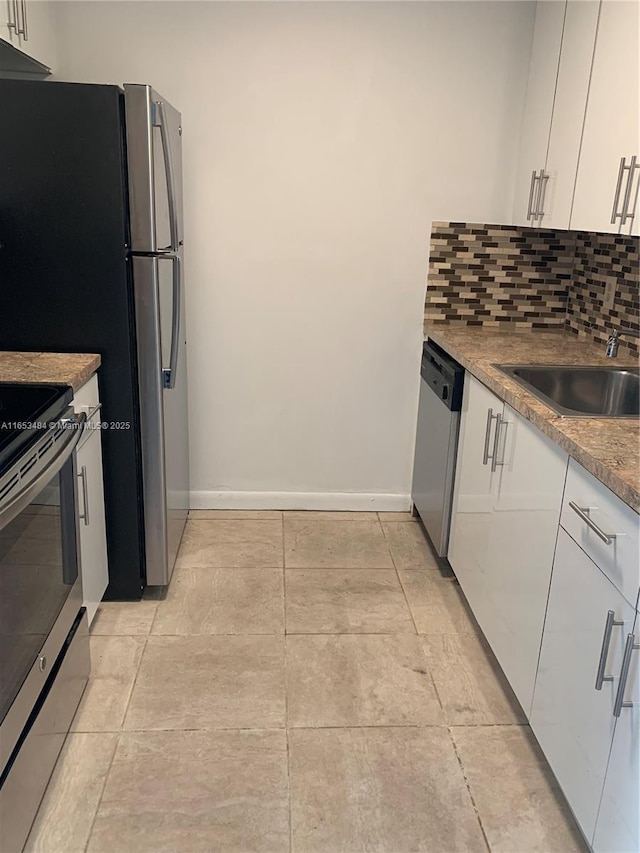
(561, 166)
(9, 24)
(28, 25)
(536, 125)
(606, 195)
(561, 59)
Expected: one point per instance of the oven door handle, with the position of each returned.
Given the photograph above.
(14, 504)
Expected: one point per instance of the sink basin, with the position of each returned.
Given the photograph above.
(581, 392)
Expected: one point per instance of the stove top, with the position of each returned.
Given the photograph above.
(25, 410)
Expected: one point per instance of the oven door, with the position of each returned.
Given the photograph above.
(40, 578)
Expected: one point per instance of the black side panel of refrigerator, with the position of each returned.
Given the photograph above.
(65, 279)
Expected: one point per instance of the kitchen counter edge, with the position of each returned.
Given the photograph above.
(54, 368)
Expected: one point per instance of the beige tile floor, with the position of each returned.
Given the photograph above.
(311, 682)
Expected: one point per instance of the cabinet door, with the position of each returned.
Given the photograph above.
(611, 124)
(40, 44)
(526, 512)
(574, 70)
(34, 20)
(472, 501)
(536, 123)
(573, 721)
(618, 826)
(93, 539)
(8, 11)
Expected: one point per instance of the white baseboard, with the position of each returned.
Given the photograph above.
(331, 501)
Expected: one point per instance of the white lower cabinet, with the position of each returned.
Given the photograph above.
(609, 166)
(618, 824)
(472, 498)
(90, 491)
(507, 501)
(524, 525)
(559, 623)
(572, 719)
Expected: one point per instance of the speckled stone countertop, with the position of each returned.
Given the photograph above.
(607, 447)
(50, 367)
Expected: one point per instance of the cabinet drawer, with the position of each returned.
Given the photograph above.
(618, 559)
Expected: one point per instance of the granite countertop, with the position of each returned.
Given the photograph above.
(607, 447)
(49, 367)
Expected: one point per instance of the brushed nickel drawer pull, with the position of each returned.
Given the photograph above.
(604, 651)
(84, 516)
(496, 441)
(629, 648)
(534, 178)
(487, 433)
(583, 513)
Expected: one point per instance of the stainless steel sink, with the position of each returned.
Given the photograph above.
(581, 392)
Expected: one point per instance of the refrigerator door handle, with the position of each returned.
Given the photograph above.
(169, 375)
(161, 122)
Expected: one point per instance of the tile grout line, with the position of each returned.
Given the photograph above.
(415, 627)
(418, 635)
(286, 687)
(104, 786)
(153, 621)
(134, 682)
(298, 634)
(433, 681)
(468, 787)
(257, 728)
(290, 815)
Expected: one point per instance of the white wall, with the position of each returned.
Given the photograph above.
(320, 140)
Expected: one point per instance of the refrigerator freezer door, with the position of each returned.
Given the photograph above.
(154, 151)
(163, 411)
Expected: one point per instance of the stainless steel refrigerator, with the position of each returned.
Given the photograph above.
(91, 260)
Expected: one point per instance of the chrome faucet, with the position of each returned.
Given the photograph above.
(612, 341)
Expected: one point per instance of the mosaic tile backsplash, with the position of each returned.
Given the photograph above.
(492, 275)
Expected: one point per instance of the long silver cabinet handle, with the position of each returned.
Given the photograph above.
(544, 180)
(604, 651)
(614, 213)
(24, 20)
(627, 193)
(496, 439)
(534, 178)
(85, 496)
(583, 513)
(630, 212)
(487, 436)
(629, 648)
(13, 24)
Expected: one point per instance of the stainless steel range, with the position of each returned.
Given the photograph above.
(44, 645)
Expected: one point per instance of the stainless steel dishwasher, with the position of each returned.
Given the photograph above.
(437, 442)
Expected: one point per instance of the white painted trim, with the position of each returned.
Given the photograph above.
(332, 501)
